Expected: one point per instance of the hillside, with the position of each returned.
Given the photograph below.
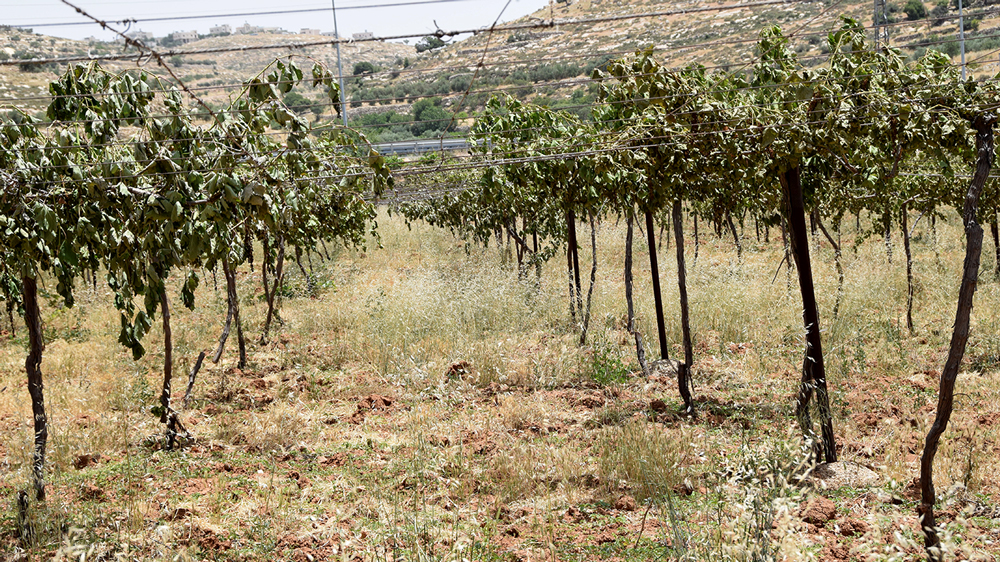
(213, 76)
(547, 64)
(552, 65)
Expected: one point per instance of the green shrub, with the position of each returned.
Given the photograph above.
(607, 366)
(915, 10)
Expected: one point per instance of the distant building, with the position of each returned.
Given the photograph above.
(183, 37)
(308, 31)
(329, 34)
(144, 36)
(363, 35)
(224, 29)
(247, 29)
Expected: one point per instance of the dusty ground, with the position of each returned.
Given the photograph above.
(426, 405)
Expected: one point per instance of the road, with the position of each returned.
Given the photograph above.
(421, 146)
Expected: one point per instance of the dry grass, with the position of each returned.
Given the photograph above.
(540, 449)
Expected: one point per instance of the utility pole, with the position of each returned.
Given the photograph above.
(961, 35)
(340, 65)
(881, 25)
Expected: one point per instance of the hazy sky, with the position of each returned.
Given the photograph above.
(353, 16)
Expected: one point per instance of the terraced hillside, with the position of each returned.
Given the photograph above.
(213, 76)
(549, 63)
(555, 61)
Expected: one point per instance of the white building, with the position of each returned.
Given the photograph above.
(363, 35)
(223, 29)
(183, 37)
(144, 36)
(247, 29)
(309, 31)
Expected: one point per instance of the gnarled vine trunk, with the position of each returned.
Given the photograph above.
(684, 369)
(837, 262)
(310, 284)
(538, 262)
(959, 336)
(788, 257)
(10, 318)
(640, 350)
(697, 242)
(167, 415)
(736, 237)
(33, 366)
(278, 277)
(593, 280)
(904, 224)
(233, 304)
(813, 370)
(887, 225)
(996, 245)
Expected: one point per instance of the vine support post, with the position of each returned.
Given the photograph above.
(983, 125)
(813, 370)
(684, 369)
(661, 329)
(575, 250)
(33, 366)
(569, 271)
